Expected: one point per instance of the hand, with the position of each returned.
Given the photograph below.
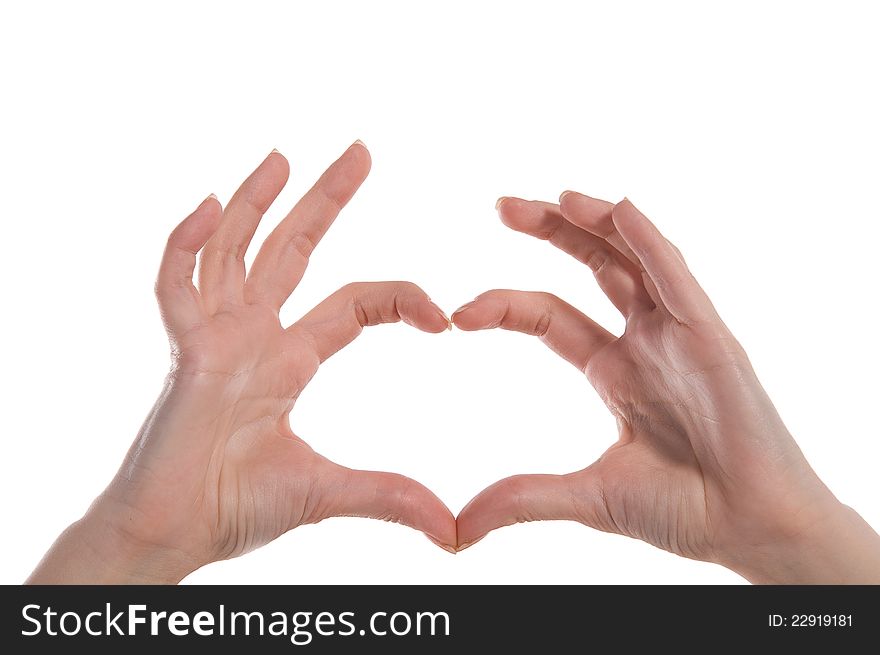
(216, 470)
(703, 465)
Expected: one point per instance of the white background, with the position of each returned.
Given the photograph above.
(750, 136)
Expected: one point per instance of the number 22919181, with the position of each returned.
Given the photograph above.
(810, 621)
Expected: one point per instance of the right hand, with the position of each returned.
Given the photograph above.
(703, 465)
(216, 470)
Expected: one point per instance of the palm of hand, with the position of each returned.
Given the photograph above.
(254, 484)
(650, 482)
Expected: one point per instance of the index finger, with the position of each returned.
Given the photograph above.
(339, 319)
(283, 258)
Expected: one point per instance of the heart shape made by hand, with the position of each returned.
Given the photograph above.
(216, 469)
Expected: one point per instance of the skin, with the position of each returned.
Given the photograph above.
(216, 470)
(703, 466)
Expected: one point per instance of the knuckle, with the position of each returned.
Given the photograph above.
(597, 260)
(362, 316)
(513, 489)
(549, 299)
(542, 324)
(332, 200)
(224, 252)
(351, 289)
(303, 244)
(404, 491)
(407, 286)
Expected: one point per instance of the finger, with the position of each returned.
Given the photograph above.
(568, 332)
(594, 215)
(221, 269)
(339, 319)
(618, 277)
(524, 498)
(282, 261)
(387, 497)
(179, 302)
(679, 291)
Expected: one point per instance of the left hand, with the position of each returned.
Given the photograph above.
(703, 465)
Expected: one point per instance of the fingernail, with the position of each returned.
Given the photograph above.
(359, 143)
(627, 204)
(443, 314)
(500, 202)
(446, 547)
(468, 544)
(464, 308)
(563, 194)
(211, 195)
(275, 151)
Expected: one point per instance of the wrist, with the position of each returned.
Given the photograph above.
(833, 546)
(97, 550)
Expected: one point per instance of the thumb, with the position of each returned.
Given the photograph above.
(521, 498)
(388, 497)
